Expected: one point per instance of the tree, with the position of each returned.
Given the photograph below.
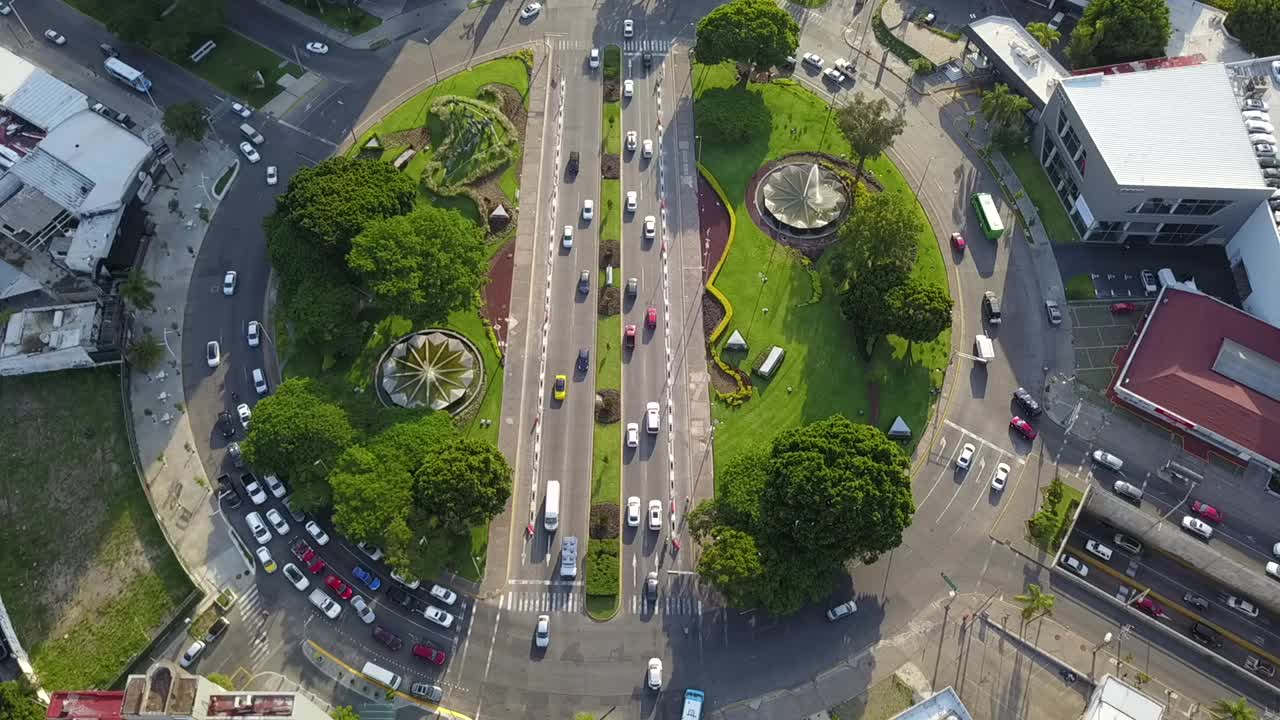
(754, 32)
(868, 125)
(185, 121)
(1005, 112)
(422, 265)
(1045, 35)
(145, 351)
(1115, 31)
(18, 702)
(921, 310)
(1035, 603)
(732, 115)
(293, 431)
(317, 291)
(1233, 710)
(135, 289)
(332, 202)
(409, 444)
(865, 303)
(343, 712)
(224, 681)
(882, 229)
(466, 483)
(1257, 24)
(730, 561)
(372, 499)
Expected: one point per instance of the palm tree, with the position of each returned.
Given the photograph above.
(1233, 710)
(1002, 107)
(1035, 601)
(136, 290)
(1045, 35)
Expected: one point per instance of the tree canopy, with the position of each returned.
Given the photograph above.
(754, 32)
(292, 430)
(1045, 35)
(869, 126)
(185, 121)
(882, 229)
(921, 310)
(333, 201)
(173, 34)
(1257, 24)
(730, 561)
(1115, 31)
(422, 265)
(320, 298)
(467, 482)
(18, 702)
(865, 303)
(733, 115)
(372, 499)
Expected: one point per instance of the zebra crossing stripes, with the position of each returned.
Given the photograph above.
(544, 602)
(628, 46)
(666, 605)
(253, 617)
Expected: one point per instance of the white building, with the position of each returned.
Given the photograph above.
(1115, 700)
(61, 337)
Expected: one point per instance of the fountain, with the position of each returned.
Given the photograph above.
(432, 368)
(802, 199)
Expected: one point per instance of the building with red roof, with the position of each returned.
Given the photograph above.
(1212, 371)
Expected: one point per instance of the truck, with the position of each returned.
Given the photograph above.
(984, 351)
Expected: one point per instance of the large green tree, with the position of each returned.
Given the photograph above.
(294, 432)
(730, 561)
(1005, 112)
(1257, 24)
(332, 202)
(753, 32)
(865, 303)
(372, 499)
(137, 290)
(18, 702)
(921, 310)
(882, 229)
(1115, 31)
(869, 126)
(422, 265)
(169, 28)
(320, 298)
(409, 444)
(467, 482)
(185, 121)
(1239, 709)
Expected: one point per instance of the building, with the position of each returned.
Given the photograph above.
(943, 705)
(1212, 372)
(61, 337)
(169, 692)
(1112, 699)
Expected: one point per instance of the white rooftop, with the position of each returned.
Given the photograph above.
(35, 95)
(1115, 700)
(100, 150)
(1021, 53)
(1173, 127)
(1197, 29)
(944, 705)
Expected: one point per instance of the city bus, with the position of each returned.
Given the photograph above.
(692, 705)
(126, 74)
(988, 215)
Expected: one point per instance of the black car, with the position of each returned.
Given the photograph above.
(218, 627)
(584, 359)
(108, 51)
(647, 59)
(1195, 601)
(1206, 635)
(388, 638)
(1028, 404)
(400, 597)
(228, 493)
(226, 424)
(584, 282)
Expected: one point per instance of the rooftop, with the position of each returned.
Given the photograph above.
(251, 704)
(1114, 700)
(1209, 365)
(85, 704)
(34, 94)
(105, 153)
(47, 329)
(944, 705)
(1036, 71)
(1173, 127)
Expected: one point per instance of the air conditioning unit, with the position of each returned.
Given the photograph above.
(1025, 54)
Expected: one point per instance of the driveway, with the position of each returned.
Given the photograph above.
(1115, 269)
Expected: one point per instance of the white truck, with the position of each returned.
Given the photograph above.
(984, 351)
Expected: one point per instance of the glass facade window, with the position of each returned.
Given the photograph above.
(1107, 232)
(1182, 233)
(1160, 206)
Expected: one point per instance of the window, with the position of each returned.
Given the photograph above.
(1070, 141)
(1181, 233)
(1107, 232)
(1160, 206)
(1154, 206)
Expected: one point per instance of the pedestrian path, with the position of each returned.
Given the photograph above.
(253, 618)
(665, 605)
(551, 601)
(628, 46)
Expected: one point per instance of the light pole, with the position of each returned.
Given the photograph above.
(1106, 640)
(432, 54)
(923, 175)
(24, 22)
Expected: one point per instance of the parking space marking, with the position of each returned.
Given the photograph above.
(986, 443)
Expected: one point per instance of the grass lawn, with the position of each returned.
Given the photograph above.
(235, 60)
(461, 203)
(612, 128)
(348, 20)
(824, 372)
(606, 466)
(95, 578)
(1080, 287)
(886, 699)
(1041, 193)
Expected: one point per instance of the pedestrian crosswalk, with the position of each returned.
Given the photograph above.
(572, 602)
(253, 618)
(628, 46)
(666, 605)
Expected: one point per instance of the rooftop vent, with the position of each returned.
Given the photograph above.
(1025, 54)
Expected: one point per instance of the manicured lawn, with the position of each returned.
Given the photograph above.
(884, 700)
(612, 128)
(1036, 183)
(413, 113)
(461, 203)
(610, 210)
(353, 21)
(91, 575)
(233, 63)
(1080, 287)
(469, 323)
(824, 372)
(606, 472)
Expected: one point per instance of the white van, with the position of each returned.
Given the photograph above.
(551, 508)
(569, 558)
(984, 351)
(382, 675)
(250, 134)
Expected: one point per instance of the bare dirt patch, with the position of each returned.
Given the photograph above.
(608, 406)
(610, 166)
(497, 292)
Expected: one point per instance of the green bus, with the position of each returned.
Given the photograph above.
(988, 216)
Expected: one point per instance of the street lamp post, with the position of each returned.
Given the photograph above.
(24, 22)
(432, 54)
(920, 183)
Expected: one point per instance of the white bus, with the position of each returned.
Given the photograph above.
(381, 675)
(127, 74)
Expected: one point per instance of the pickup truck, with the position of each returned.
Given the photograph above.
(302, 550)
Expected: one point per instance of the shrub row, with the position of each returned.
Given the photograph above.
(905, 52)
(602, 567)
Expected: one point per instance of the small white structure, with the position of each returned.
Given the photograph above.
(1115, 700)
(771, 362)
(736, 342)
(56, 337)
(984, 351)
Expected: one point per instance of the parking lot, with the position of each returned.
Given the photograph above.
(1097, 334)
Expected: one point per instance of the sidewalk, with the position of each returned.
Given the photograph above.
(391, 29)
(180, 493)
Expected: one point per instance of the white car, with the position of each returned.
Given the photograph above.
(438, 616)
(245, 413)
(264, 558)
(594, 58)
(1275, 69)
(212, 353)
(317, 48)
(632, 200)
(1098, 549)
(405, 581)
(966, 456)
(530, 10)
(443, 594)
(373, 552)
(362, 609)
(325, 604)
(1102, 457)
(254, 488)
(259, 381)
(542, 631)
(628, 88)
(833, 75)
(653, 678)
(633, 511)
(1273, 569)
(588, 209)
(278, 522)
(648, 148)
(843, 66)
(272, 177)
(197, 647)
(296, 578)
(628, 28)
(1000, 477)
(274, 485)
(57, 39)
(1074, 563)
(1256, 104)
(317, 533)
(633, 435)
(655, 514)
(650, 227)
(813, 59)
(1243, 606)
(566, 240)
(842, 611)
(632, 139)
(241, 110)
(229, 283)
(652, 418)
(254, 333)
(246, 147)
(1196, 526)
(258, 528)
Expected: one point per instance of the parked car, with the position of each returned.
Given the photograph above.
(531, 10)
(427, 691)
(1000, 477)
(317, 532)
(1074, 564)
(1197, 527)
(245, 414)
(363, 611)
(278, 522)
(267, 562)
(966, 456)
(388, 638)
(1148, 280)
(369, 579)
(198, 646)
(842, 611)
(1122, 308)
(258, 528)
(430, 653)
(438, 616)
(274, 485)
(1030, 406)
(1124, 542)
(1206, 511)
(325, 604)
(373, 552)
(813, 59)
(57, 38)
(216, 630)
(241, 110)
(340, 588)
(253, 488)
(296, 578)
(226, 425)
(443, 594)
(250, 153)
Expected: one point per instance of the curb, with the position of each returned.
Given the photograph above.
(235, 173)
(1019, 640)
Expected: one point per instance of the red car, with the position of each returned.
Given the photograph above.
(651, 318)
(629, 337)
(1206, 511)
(1150, 607)
(957, 242)
(428, 653)
(316, 566)
(1122, 308)
(342, 589)
(1023, 427)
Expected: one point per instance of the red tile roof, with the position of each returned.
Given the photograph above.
(1143, 65)
(87, 704)
(1172, 367)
